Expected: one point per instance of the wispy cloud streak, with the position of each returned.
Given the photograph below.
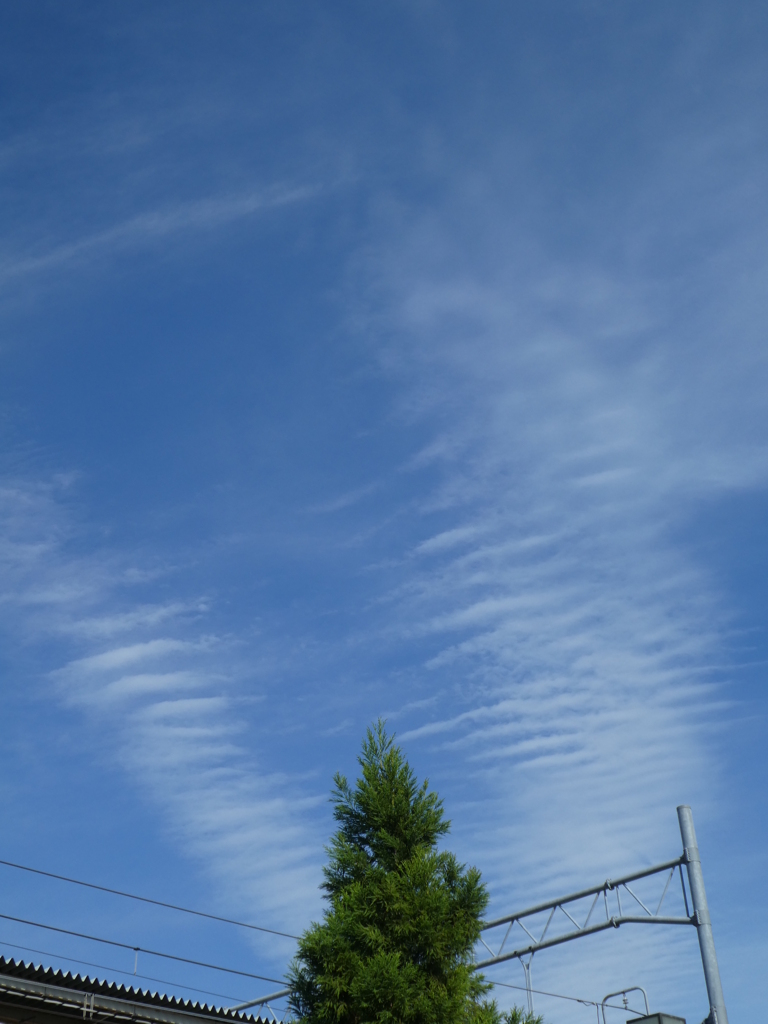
(169, 698)
(151, 227)
(571, 634)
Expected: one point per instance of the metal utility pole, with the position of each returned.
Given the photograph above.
(717, 1012)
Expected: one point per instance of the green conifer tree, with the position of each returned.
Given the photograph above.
(395, 945)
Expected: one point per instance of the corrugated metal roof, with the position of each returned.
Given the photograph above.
(54, 986)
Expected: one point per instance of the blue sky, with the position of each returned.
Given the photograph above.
(401, 360)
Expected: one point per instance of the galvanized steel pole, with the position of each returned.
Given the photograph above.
(717, 1012)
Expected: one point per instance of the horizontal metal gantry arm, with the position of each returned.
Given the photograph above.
(610, 885)
(259, 1002)
(610, 921)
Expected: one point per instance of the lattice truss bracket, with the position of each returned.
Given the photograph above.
(606, 909)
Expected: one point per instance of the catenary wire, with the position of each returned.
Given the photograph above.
(145, 899)
(116, 970)
(170, 956)
(559, 995)
(224, 995)
(139, 949)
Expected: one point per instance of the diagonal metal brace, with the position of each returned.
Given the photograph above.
(613, 922)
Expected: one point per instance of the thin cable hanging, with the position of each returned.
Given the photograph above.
(559, 995)
(146, 899)
(138, 949)
(115, 970)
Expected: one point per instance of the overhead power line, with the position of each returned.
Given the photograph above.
(138, 949)
(114, 970)
(559, 995)
(146, 899)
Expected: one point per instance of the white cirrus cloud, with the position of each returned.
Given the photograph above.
(168, 700)
(576, 428)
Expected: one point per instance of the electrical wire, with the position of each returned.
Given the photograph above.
(117, 970)
(139, 949)
(223, 995)
(145, 899)
(181, 959)
(558, 995)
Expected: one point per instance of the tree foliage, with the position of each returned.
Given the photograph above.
(395, 945)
